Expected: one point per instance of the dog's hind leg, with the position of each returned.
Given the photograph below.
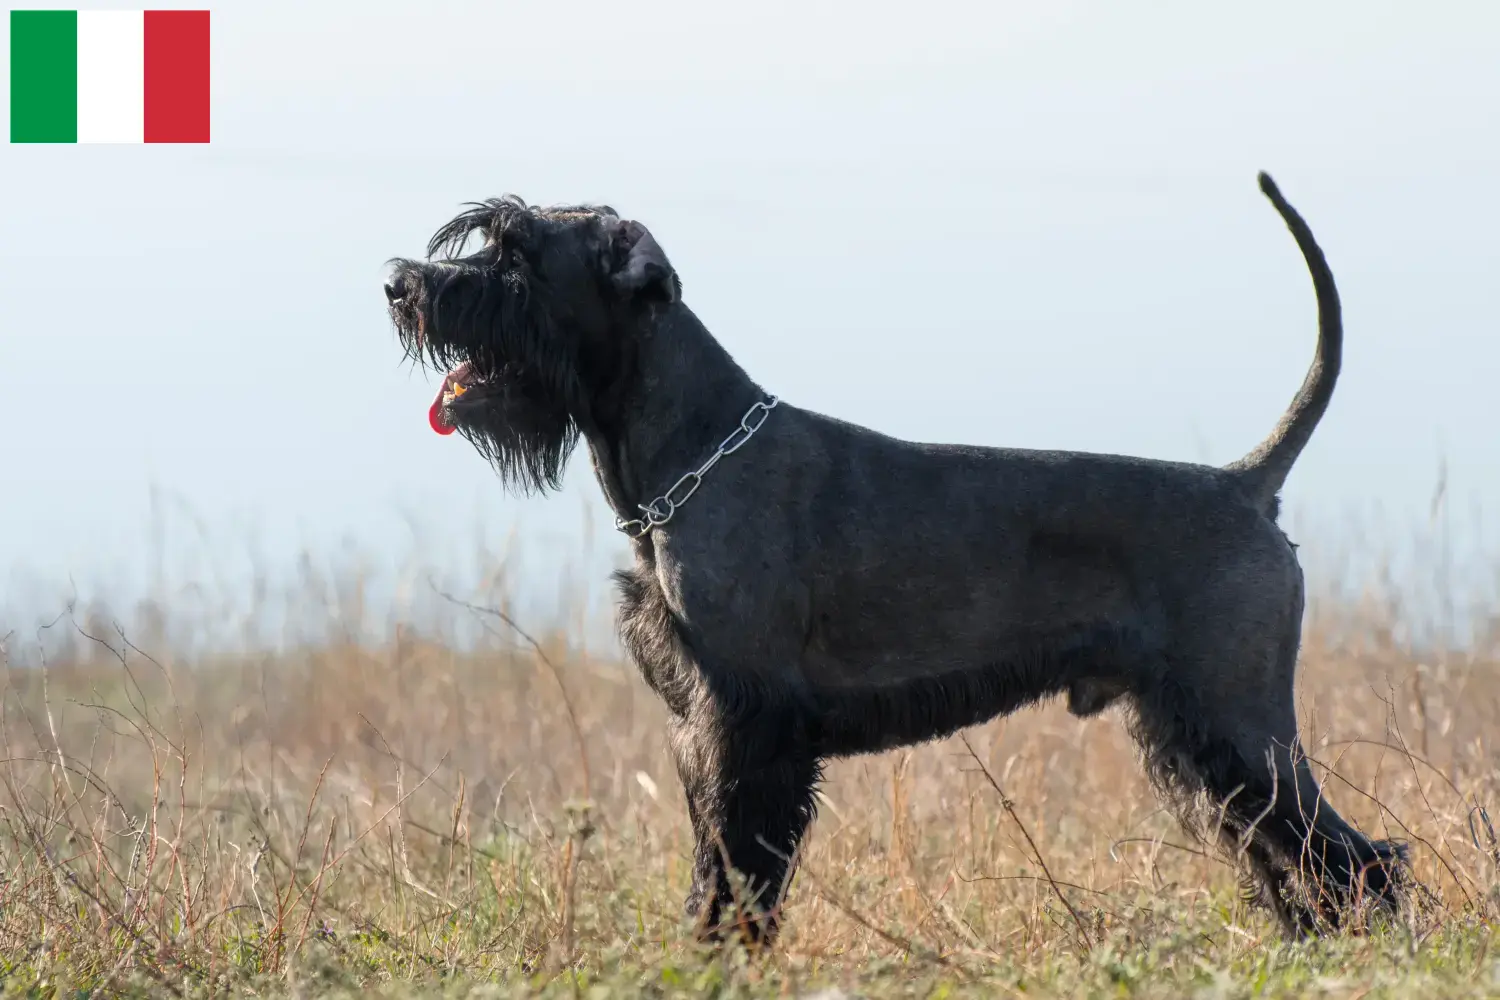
(1263, 797)
(749, 777)
(1339, 867)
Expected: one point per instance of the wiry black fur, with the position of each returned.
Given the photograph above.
(870, 720)
(749, 756)
(1306, 864)
(489, 308)
(832, 591)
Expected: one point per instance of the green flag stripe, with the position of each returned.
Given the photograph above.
(43, 76)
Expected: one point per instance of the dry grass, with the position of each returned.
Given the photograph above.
(413, 817)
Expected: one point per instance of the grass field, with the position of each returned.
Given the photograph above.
(406, 817)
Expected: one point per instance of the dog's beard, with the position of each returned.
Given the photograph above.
(509, 381)
(524, 436)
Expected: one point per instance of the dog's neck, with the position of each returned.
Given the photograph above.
(680, 396)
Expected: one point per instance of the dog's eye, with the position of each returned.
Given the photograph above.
(509, 241)
(509, 245)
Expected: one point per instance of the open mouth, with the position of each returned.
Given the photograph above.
(457, 382)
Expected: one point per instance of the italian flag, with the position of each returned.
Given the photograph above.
(109, 76)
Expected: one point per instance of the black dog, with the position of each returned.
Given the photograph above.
(808, 588)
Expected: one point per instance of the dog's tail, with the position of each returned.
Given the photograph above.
(1265, 469)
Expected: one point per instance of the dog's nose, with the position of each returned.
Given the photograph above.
(395, 290)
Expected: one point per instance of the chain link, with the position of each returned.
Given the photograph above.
(660, 511)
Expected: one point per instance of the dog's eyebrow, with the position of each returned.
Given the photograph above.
(490, 216)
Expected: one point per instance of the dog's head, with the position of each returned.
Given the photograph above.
(531, 326)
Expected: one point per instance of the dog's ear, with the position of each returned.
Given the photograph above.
(643, 268)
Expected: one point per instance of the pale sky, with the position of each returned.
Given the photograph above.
(1025, 224)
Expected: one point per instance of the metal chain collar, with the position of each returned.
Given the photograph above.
(660, 510)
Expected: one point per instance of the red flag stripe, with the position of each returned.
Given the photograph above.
(176, 76)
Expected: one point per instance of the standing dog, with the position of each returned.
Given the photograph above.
(805, 588)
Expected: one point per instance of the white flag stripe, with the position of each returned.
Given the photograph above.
(111, 76)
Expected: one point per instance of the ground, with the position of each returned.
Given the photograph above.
(408, 818)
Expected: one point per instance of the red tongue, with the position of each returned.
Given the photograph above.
(435, 411)
(435, 416)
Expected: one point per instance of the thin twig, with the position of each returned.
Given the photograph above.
(906, 945)
(583, 757)
(1087, 939)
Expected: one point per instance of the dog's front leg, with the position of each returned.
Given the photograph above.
(749, 776)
